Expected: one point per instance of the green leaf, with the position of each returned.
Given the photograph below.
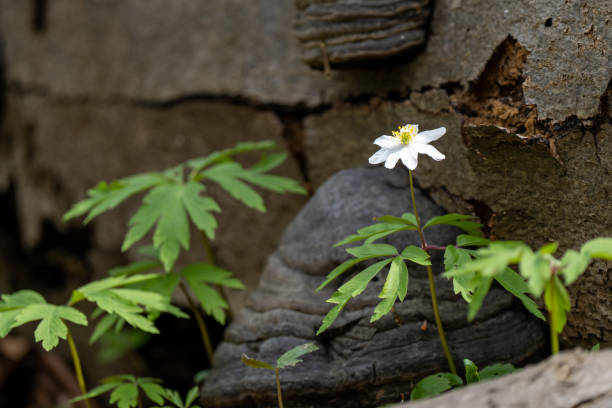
(111, 296)
(125, 395)
(481, 289)
(573, 264)
(291, 357)
(338, 270)
(416, 255)
(27, 306)
(496, 370)
(134, 268)
(252, 362)
(348, 290)
(600, 248)
(557, 303)
(164, 206)
(535, 267)
(596, 347)
(457, 220)
(153, 391)
(410, 218)
(471, 371)
(191, 396)
(200, 276)
(105, 196)
(200, 208)
(549, 248)
(225, 174)
(513, 283)
(402, 288)
(374, 232)
(94, 392)
(374, 250)
(398, 220)
(224, 155)
(102, 327)
(455, 258)
(471, 240)
(434, 385)
(391, 288)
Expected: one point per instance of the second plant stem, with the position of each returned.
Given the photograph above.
(552, 317)
(278, 388)
(78, 370)
(432, 285)
(200, 321)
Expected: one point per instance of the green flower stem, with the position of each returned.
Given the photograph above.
(432, 286)
(211, 260)
(77, 367)
(552, 319)
(200, 322)
(278, 388)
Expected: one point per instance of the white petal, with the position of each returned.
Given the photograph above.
(428, 150)
(380, 156)
(430, 135)
(409, 158)
(387, 142)
(392, 159)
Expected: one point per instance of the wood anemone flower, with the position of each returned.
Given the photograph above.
(406, 144)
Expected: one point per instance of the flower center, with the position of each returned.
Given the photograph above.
(406, 133)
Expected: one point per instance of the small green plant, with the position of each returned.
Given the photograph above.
(544, 275)
(175, 197)
(127, 390)
(289, 359)
(436, 384)
(174, 398)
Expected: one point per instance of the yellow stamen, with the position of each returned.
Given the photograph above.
(406, 134)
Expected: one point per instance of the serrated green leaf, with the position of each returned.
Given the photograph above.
(273, 182)
(125, 395)
(470, 240)
(111, 296)
(513, 283)
(332, 315)
(374, 250)
(496, 370)
(291, 357)
(225, 174)
(134, 268)
(102, 327)
(402, 288)
(410, 217)
(268, 162)
(457, 220)
(416, 255)
(12, 305)
(153, 391)
(51, 327)
(192, 394)
(396, 220)
(600, 248)
(557, 302)
(374, 232)
(223, 155)
(200, 276)
(338, 270)
(200, 208)
(94, 392)
(471, 371)
(253, 362)
(105, 196)
(434, 385)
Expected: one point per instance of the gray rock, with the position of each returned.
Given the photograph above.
(157, 50)
(358, 364)
(567, 380)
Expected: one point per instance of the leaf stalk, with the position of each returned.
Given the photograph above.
(432, 285)
(200, 322)
(278, 388)
(77, 366)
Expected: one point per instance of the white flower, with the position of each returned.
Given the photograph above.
(406, 144)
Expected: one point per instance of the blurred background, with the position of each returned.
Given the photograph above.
(96, 90)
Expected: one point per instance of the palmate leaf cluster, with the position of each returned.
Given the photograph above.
(127, 390)
(540, 272)
(174, 199)
(27, 306)
(396, 283)
(438, 383)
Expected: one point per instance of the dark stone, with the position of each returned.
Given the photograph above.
(358, 364)
(343, 31)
